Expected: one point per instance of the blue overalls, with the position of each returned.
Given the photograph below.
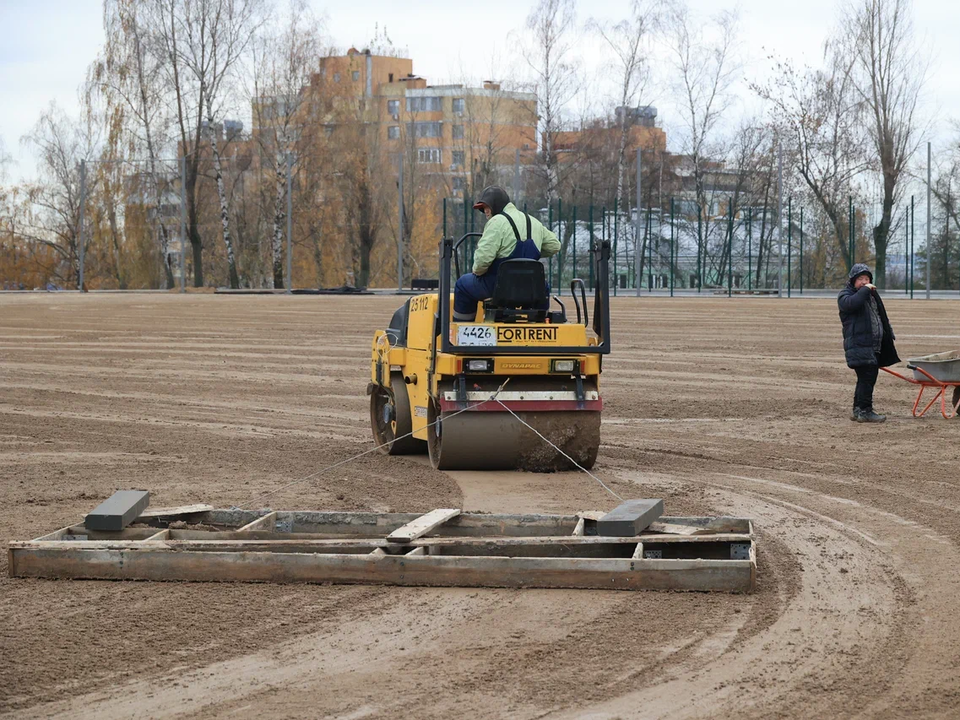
(471, 289)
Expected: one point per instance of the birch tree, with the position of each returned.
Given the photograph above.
(128, 75)
(626, 40)
(705, 68)
(550, 56)
(285, 53)
(888, 78)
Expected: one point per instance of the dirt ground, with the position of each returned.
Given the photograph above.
(719, 407)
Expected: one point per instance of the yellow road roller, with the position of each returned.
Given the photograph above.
(479, 395)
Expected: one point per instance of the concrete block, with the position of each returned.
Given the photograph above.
(630, 518)
(117, 511)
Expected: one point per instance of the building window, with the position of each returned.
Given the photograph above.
(393, 107)
(458, 132)
(458, 158)
(424, 104)
(356, 75)
(393, 132)
(425, 129)
(458, 105)
(429, 156)
(336, 77)
(458, 183)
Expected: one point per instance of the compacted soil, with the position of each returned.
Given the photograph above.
(721, 407)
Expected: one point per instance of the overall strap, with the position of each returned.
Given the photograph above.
(514, 226)
(529, 228)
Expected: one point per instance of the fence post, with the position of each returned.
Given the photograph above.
(290, 225)
(801, 249)
(550, 225)
(672, 237)
(699, 248)
(730, 247)
(560, 257)
(637, 251)
(616, 276)
(650, 249)
(574, 236)
(750, 248)
(789, 245)
(913, 248)
(779, 219)
(183, 224)
(929, 218)
(83, 198)
(590, 249)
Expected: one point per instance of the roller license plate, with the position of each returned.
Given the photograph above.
(476, 336)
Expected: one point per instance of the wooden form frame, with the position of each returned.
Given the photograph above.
(442, 548)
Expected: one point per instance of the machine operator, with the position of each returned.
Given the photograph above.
(508, 235)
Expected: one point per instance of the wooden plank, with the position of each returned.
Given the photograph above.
(578, 530)
(378, 552)
(56, 534)
(289, 545)
(367, 524)
(154, 563)
(267, 522)
(174, 511)
(417, 551)
(674, 529)
(422, 525)
(162, 535)
(638, 553)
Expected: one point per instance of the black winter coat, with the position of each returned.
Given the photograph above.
(858, 331)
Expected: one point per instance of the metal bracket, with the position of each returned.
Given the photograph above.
(739, 551)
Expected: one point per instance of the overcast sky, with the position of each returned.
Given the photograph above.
(48, 44)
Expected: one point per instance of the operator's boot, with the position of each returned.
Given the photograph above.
(869, 416)
(855, 415)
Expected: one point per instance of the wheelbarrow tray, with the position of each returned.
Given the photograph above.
(944, 367)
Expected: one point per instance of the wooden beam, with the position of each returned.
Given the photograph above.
(674, 529)
(162, 535)
(157, 562)
(638, 553)
(56, 534)
(266, 522)
(174, 511)
(422, 550)
(422, 525)
(578, 530)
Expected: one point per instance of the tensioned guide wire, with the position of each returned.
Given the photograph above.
(492, 398)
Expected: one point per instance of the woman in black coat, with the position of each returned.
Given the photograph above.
(867, 338)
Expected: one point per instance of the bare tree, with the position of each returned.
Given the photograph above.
(285, 54)
(128, 77)
(61, 142)
(549, 53)
(705, 70)
(626, 40)
(889, 76)
(199, 44)
(821, 115)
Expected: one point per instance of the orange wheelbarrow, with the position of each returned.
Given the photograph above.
(941, 372)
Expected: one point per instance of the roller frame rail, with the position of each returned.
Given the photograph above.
(443, 548)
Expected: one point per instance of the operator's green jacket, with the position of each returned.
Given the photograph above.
(498, 240)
